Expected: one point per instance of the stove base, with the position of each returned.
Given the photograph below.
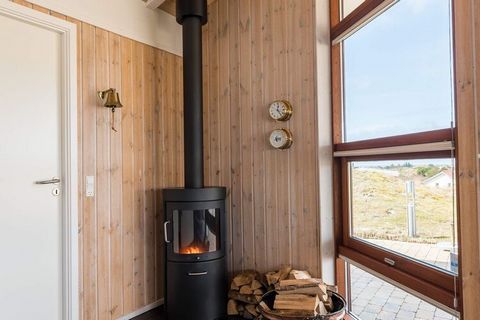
(196, 291)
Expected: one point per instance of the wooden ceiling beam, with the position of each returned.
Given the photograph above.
(154, 4)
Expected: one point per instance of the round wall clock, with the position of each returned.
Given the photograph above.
(281, 139)
(280, 110)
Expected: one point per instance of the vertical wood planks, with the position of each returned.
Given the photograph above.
(89, 275)
(246, 143)
(116, 248)
(149, 239)
(102, 174)
(128, 194)
(139, 179)
(260, 51)
(235, 143)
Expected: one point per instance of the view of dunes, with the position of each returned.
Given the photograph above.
(379, 202)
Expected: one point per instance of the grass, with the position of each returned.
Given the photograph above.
(379, 206)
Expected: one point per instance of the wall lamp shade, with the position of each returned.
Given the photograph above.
(110, 99)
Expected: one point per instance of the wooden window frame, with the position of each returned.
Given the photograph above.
(435, 284)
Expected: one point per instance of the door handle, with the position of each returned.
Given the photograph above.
(165, 231)
(51, 181)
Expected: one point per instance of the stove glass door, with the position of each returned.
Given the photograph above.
(196, 231)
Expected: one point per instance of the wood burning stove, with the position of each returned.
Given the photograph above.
(195, 232)
(195, 251)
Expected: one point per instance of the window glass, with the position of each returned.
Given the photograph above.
(397, 72)
(372, 298)
(196, 231)
(406, 207)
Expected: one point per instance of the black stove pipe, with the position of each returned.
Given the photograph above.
(192, 14)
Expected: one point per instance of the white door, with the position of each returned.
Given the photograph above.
(30, 151)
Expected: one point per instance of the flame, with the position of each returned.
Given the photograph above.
(192, 250)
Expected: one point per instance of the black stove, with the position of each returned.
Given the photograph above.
(195, 232)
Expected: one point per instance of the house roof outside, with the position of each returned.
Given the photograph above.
(447, 173)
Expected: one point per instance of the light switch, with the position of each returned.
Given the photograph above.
(89, 186)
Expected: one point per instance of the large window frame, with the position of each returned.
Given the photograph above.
(442, 287)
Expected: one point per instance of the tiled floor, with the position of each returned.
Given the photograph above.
(375, 299)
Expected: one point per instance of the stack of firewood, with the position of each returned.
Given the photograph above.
(245, 294)
(298, 294)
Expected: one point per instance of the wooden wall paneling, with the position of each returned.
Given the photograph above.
(179, 159)
(149, 241)
(294, 46)
(467, 154)
(222, 121)
(267, 50)
(311, 198)
(214, 94)
(45, 10)
(206, 106)
(270, 153)
(235, 129)
(246, 139)
(128, 194)
(24, 3)
(103, 175)
(89, 275)
(139, 183)
(282, 159)
(116, 196)
(170, 121)
(259, 140)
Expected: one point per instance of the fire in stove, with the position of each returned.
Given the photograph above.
(193, 250)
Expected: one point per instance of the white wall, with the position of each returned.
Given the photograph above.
(129, 18)
(325, 150)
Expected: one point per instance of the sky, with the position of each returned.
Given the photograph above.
(397, 72)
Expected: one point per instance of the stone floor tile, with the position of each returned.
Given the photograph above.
(385, 315)
(391, 307)
(367, 316)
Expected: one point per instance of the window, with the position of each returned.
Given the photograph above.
(397, 72)
(394, 133)
(400, 206)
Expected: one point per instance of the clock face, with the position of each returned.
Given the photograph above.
(281, 139)
(280, 110)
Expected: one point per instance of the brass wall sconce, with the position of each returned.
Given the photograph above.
(111, 99)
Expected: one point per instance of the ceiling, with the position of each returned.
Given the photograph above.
(169, 6)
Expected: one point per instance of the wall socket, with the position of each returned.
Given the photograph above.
(89, 186)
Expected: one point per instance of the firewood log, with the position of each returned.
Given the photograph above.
(300, 302)
(233, 286)
(258, 292)
(256, 285)
(252, 310)
(282, 274)
(246, 289)
(235, 295)
(243, 279)
(299, 274)
(303, 286)
(232, 309)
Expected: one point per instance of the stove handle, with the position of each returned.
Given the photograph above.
(198, 273)
(165, 231)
